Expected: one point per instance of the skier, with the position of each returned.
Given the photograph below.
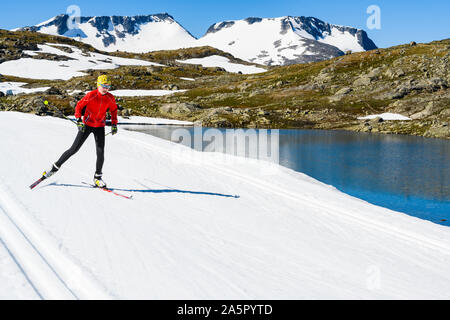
(93, 107)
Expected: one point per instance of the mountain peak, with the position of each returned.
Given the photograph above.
(285, 40)
(124, 33)
(269, 41)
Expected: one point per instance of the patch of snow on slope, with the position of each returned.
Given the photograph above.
(342, 40)
(16, 88)
(223, 62)
(64, 70)
(385, 116)
(248, 39)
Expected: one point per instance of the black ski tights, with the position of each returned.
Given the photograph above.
(99, 135)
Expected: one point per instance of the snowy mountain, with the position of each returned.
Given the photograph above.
(133, 34)
(285, 40)
(268, 41)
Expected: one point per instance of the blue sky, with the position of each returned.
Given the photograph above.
(402, 21)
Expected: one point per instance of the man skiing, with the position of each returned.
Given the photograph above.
(93, 108)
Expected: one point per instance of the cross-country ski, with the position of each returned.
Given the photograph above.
(110, 191)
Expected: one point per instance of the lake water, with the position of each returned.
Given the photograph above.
(403, 173)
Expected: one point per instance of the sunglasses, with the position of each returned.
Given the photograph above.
(106, 86)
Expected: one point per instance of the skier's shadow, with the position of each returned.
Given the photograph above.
(55, 184)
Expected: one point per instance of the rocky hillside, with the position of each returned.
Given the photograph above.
(412, 80)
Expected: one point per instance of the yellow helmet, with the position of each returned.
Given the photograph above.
(103, 81)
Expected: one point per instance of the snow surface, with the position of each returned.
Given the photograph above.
(147, 120)
(12, 279)
(17, 87)
(385, 116)
(159, 121)
(223, 62)
(252, 42)
(343, 40)
(64, 70)
(200, 226)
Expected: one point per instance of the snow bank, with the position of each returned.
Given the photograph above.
(219, 61)
(157, 121)
(386, 116)
(148, 120)
(201, 226)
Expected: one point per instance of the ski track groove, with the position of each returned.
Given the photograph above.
(17, 263)
(50, 272)
(352, 217)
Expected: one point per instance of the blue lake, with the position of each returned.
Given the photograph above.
(403, 173)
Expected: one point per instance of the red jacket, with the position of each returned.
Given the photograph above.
(96, 107)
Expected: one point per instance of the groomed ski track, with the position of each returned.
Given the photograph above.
(51, 274)
(324, 216)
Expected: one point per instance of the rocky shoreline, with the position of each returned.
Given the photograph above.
(227, 117)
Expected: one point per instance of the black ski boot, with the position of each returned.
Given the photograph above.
(98, 181)
(49, 173)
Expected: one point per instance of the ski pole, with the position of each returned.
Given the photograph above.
(54, 108)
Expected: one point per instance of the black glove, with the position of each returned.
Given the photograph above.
(80, 125)
(113, 129)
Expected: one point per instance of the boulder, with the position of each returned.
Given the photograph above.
(439, 130)
(151, 69)
(376, 120)
(336, 98)
(394, 73)
(243, 86)
(436, 84)
(362, 81)
(374, 74)
(429, 110)
(445, 113)
(221, 123)
(53, 91)
(263, 113)
(178, 108)
(344, 91)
